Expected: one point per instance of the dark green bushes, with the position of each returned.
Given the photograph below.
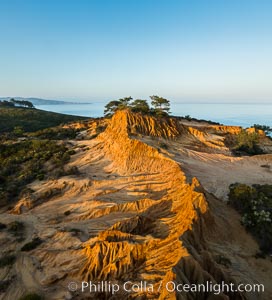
(31, 296)
(223, 260)
(30, 120)
(244, 143)
(163, 145)
(254, 203)
(4, 285)
(7, 260)
(56, 133)
(32, 245)
(3, 226)
(248, 143)
(267, 129)
(24, 161)
(16, 228)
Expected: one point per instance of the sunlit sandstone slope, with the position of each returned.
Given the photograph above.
(137, 213)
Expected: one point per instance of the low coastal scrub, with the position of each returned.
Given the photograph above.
(254, 203)
(31, 120)
(192, 119)
(24, 161)
(32, 245)
(244, 143)
(7, 260)
(4, 285)
(55, 133)
(31, 296)
(266, 129)
(3, 226)
(16, 228)
(13, 103)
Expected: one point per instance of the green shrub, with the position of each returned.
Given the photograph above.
(31, 120)
(72, 171)
(163, 145)
(265, 166)
(18, 131)
(31, 296)
(254, 204)
(260, 255)
(246, 143)
(265, 128)
(55, 133)
(7, 260)
(16, 228)
(4, 284)
(3, 226)
(100, 128)
(223, 260)
(32, 245)
(75, 230)
(40, 176)
(71, 152)
(22, 162)
(188, 118)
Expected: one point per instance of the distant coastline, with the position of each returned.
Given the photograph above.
(40, 101)
(234, 114)
(244, 115)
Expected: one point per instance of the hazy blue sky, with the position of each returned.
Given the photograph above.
(206, 50)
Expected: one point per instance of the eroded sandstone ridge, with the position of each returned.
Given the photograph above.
(136, 212)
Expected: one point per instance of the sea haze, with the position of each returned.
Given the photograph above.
(229, 114)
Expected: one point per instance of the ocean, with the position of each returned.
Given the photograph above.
(229, 114)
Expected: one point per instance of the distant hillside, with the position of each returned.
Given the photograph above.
(39, 101)
(32, 119)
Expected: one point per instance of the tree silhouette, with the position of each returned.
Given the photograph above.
(115, 105)
(23, 103)
(140, 105)
(161, 105)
